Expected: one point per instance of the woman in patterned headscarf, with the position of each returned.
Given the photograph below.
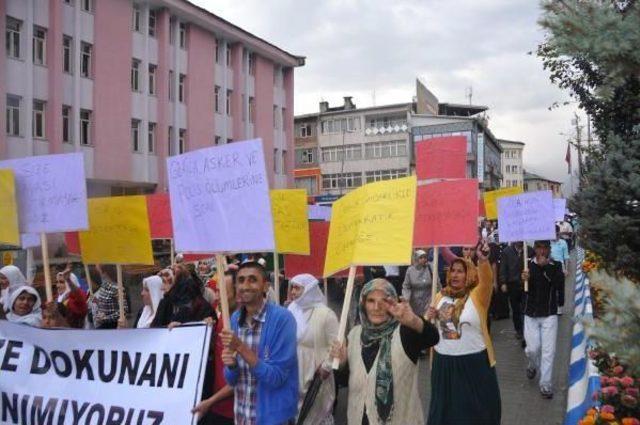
(382, 355)
(464, 386)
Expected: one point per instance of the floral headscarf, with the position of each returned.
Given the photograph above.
(462, 294)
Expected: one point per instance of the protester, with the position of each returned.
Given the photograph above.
(566, 232)
(546, 294)
(511, 266)
(72, 299)
(317, 328)
(10, 278)
(53, 317)
(560, 251)
(151, 295)
(168, 279)
(260, 354)
(416, 288)
(464, 384)
(107, 307)
(382, 356)
(25, 306)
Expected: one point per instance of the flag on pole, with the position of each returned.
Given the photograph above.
(568, 157)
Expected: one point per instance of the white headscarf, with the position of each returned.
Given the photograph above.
(153, 284)
(32, 319)
(311, 297)
(16, 279)
(74, 281)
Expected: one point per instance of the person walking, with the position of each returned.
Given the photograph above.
(509, 277)
(416, 288)
(545, 296)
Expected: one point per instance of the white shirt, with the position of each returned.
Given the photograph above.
(467, 337)
(392, 270)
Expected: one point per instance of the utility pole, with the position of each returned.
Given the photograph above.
(576, 122)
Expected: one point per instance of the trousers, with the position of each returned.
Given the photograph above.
(540, 334)
(515, 299)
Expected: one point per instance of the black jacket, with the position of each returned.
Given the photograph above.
(511, 265)
(546, 289)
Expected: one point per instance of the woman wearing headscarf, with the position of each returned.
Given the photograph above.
(382, 354)
(416, 288)
(317, 328)
(72, 298)
(10, 278)
(25, 306)
(151, 295)
(464, 386)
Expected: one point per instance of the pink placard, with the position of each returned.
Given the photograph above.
(159, 210)
(441, 158)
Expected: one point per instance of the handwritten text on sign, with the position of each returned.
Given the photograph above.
(220, 199)
(118, 232)
(372, 225)
(9, 233)
(526, 217)
(290, 221)
(52, 192)
(124, 376)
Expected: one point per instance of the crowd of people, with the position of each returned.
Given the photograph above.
(273, 365)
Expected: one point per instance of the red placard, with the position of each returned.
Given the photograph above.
(442, 158)
(481, 211)
(446, 214)
(314, 263)
(159, 211)
(72, 240)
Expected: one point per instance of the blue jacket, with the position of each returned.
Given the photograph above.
(277, 368)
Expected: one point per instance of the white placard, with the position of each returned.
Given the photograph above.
(29, 240)
(153, 376)
(51, 191)
(220, 199)
(528, 216)
(319, 212)
(559, 208)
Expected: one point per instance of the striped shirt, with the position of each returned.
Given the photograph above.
(245, 390)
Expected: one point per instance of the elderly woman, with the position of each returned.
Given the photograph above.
(25, 306)
(382, 354)
(10, 278)
(463, 378)
(151, 295)
(416, 288)
(317, 328)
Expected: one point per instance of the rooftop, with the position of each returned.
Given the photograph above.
(533, 176)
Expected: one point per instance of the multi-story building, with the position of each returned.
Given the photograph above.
(512, 171)
(129, 83)
(534, 182)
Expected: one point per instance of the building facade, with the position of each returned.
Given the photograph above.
(534, 182)
(512, 170)
(129, 83)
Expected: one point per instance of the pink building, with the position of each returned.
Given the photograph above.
(129, 83)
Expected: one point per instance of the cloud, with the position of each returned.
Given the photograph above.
(356, 47)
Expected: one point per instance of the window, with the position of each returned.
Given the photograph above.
(228, 105)
(135, 75)
(181, 88)
(13, 115)
(69, 2)
(135, 18)
(38, 119)
(283, 117)
(171, 95)
(228, 55)
(151, 138)
(39, 46)
(284, 162)
(275, 161)
(229, 141)
(182, 141)
(307, 156)
(308, 183)
(252, 109)
(66, 124)
(135, 135)
(87, 5)
(216, 99)
(67, 54)
(374, 176)
(275, 117)
(152, 23)
(252, 64)
(170, 140)
(183, 35)
(514, 168)
(85, 127)
(340, 125)
(386, 122)
(339, 153)
(218, 46)
(13, 37)
(305, 130)
(152, 78)
(85, 59)
(172, 30)
(345, 180)
(391, 149)
(217, 140)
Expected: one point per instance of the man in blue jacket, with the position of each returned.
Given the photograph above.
(260, 354)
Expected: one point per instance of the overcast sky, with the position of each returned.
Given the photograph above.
(358, 47)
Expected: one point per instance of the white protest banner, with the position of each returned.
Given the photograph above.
(559, 208)
(52, 192)
(124, 376)
(220, 199)
(528, 216)
(319, 212)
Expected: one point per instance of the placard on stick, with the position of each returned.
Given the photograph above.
(118, 233)
(447, 214)
(51, 192)
(528, 216)
(9, 233)
(491, 200)
(159, 209)
(441, 158)
(372, 225)
(220, 199)
(291, 225)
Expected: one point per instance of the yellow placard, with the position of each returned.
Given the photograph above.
(290, 220)
(372, 225)
(118, 232)
(491, 200)
(9, 233)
